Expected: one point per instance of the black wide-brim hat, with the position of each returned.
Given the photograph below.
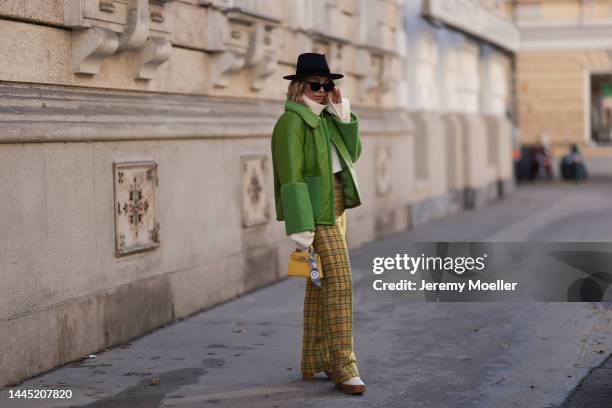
(312, 64)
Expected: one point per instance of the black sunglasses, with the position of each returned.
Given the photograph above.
(327, 86)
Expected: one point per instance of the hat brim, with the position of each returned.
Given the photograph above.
(325, 74)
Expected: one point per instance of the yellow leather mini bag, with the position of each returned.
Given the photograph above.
(300, 264)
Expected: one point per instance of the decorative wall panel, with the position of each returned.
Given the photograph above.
(136, 227)
(383, 170)
(254, 202)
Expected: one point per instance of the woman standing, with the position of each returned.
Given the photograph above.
(314, 145)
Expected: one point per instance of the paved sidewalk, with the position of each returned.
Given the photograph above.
(245, 353)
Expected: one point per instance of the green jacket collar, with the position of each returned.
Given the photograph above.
(305, 113)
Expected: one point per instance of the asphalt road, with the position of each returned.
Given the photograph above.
(245, 353)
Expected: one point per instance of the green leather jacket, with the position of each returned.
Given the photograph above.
(302, 166)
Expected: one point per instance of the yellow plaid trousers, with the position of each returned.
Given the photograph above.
(328, 310)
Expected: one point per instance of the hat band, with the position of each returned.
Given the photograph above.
(313, 71)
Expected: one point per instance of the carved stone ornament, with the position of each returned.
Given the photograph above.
(248, 42)
(389, 72)
(254, 199)
(261, 55)
(154, 53)
(90, 47)
(136, 28)
(136, 227)
(366, 73)
(375, 72)
(383, 170)
(102, 28)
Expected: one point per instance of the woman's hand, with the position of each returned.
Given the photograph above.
(336, 96)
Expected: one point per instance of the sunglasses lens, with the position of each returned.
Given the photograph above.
(315, 86)
(328, 86)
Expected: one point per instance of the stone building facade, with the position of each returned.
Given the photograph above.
(564, 68)
(135, 178)
(458, 90)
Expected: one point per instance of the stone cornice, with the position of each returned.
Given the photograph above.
(202, 46)
(566, 37)
(34, 114)
(472, 18)
(253, 14)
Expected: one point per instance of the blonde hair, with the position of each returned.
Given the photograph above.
(295, 90)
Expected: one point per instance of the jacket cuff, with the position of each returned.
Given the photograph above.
(350, 125)
(297, 208)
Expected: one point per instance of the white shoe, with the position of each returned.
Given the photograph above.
(354, 381)
(352, 386)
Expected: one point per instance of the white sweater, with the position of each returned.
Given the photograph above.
(342, 111)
